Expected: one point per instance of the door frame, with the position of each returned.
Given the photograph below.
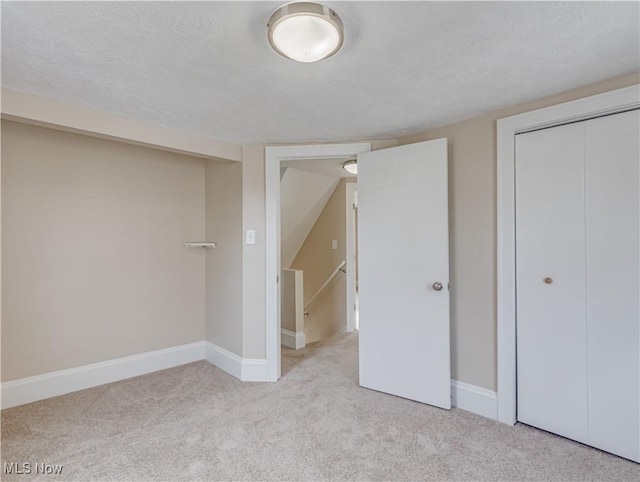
(351, 252)
(612, 102)
(273, 156)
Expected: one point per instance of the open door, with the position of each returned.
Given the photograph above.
(403, 258)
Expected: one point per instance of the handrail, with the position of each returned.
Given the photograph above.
(325, 284)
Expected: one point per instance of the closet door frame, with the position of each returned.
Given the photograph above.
(612, 102)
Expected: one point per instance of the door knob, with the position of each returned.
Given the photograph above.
(437, 286)
(548, 280)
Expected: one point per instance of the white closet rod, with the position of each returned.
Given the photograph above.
(200, 245)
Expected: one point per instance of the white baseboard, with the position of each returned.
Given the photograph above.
(53, 384)
(245, 369)
(26, 390)
(292, 340)
(223, 359)
(474, 399)
(254, 370)
(39, 387)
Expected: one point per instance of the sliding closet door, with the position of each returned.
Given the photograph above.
(550, 254)
(612, 155)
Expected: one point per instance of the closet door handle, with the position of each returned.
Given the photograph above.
(437, 286)
(548, 280)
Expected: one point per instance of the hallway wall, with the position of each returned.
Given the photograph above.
(303, 196)
(327, 314)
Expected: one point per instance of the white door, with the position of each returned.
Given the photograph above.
(550, 271)
(403, 260)
(612, 166)
(578, 289)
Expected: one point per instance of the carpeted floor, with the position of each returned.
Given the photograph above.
(196, 422)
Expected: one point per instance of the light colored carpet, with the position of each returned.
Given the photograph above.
(196, 422)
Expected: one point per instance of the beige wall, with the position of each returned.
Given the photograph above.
(472, 204)
(92, 262)
(42, 111)
(78, 212)
(224, 263)
(316, 259)
(254, 263)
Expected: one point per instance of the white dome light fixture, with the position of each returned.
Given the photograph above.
(305, 31)
(351, 167)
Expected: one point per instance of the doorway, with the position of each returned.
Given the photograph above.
(403, 244)
(274, 159)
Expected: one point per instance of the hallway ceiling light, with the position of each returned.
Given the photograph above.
(351, 167)
(305, 31)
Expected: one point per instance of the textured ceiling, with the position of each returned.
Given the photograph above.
(207, 68)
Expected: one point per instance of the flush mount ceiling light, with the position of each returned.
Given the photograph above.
(351, 167)
(305, 31)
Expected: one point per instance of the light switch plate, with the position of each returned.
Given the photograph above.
(250, 236)
(334, 244)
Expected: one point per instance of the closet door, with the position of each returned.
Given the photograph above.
(612, 173)
(578, 281)
(550, 276)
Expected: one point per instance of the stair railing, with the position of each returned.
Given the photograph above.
(333, 274)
